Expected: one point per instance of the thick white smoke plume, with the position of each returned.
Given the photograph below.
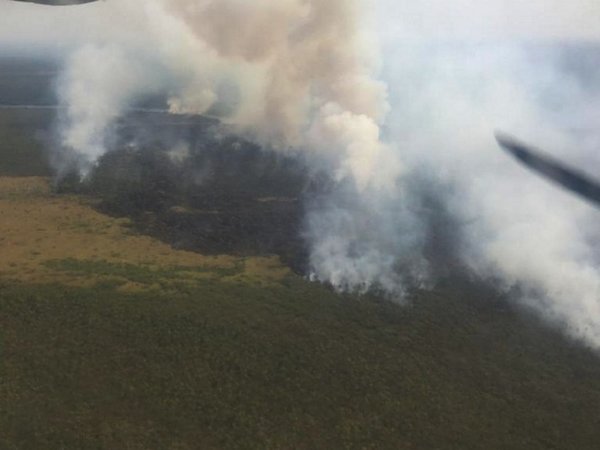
(99, 84)
(517, 228)
(302, 73)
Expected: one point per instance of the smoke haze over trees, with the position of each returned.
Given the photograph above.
(404, 132)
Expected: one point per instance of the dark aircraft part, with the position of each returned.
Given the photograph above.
(57, 2)
(569, 178)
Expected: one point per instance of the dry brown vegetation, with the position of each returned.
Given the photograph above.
(43, 236)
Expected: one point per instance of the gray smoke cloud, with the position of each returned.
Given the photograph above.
(418, 166)
(519, 230)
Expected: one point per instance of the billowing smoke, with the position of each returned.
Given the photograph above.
(98, 85)
(420, 187)
(303, 76)
(302, 72)
(517, 229)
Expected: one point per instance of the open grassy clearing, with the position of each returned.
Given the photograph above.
(48, 238)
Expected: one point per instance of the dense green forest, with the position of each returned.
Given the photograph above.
(141, 309)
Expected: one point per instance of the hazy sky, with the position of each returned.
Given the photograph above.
(491, 19)
(23, 24)
(406, 19)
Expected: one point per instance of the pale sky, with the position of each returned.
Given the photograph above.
(491, 19)
(60, 27)
(396, 19)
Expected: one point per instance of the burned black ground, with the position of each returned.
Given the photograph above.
(224, 195)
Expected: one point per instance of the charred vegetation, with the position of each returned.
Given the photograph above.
(183, 181)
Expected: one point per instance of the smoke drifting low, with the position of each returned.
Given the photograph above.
(417, 166)
(519, 230)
